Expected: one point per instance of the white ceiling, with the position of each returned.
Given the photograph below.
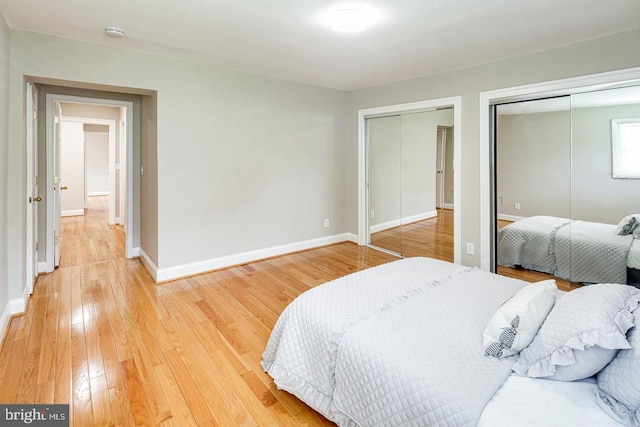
(288, 38)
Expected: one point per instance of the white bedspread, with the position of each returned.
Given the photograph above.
(531, 402)
(398, 344)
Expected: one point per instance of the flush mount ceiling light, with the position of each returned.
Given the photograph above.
(114, 32)
(349, 20)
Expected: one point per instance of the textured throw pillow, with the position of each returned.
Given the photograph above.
(627, 225)
(581, 334)
(619, 381)
(514, 325)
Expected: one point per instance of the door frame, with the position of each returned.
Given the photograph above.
(51, 99)
(567, 86)
(412, 107)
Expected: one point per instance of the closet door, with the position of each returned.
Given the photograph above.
(605, 184)
(385, 182)
(533, 183)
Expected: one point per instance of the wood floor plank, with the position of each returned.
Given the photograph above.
(178, 374)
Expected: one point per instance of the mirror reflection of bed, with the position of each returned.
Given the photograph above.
(567, 181)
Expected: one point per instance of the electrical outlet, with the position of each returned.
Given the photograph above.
(517, 206)
(327, 222)
(373, 214)
(471, 250)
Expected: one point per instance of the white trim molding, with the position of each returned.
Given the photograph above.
(510, 217)
(364, 114)
(4, 320)
(72, 212)
(403, 221)
(97, 193)
(560, 87)
(160, 275)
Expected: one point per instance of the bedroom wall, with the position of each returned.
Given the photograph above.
(4, 142)
(594, 56)
(244, 162)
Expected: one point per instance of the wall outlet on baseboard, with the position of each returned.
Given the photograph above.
(471, 250)
(327, 222)
(517, 206)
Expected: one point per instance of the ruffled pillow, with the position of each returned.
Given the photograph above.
(627, 225)
(514, 325)
(582, 333)
(619, 381)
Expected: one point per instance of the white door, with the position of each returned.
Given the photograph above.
(33, 198)
(72, 168)
(56, 183)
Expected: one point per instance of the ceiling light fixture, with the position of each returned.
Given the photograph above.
(114, 32)
(349, 20)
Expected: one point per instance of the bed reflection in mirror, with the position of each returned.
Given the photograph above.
(568, 187)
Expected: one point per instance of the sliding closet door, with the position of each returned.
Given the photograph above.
(605, 182)
(385, 182)
(533, 180)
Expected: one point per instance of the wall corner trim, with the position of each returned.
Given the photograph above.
(180, 271)
(4, 320)
(148, 264)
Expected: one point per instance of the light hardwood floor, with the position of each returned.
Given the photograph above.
(100, 335)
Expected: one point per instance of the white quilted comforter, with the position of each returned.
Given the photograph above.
(398, 344)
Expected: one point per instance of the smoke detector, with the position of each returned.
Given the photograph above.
(114, 32)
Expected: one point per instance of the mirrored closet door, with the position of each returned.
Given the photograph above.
(410, 183)
(564, 183)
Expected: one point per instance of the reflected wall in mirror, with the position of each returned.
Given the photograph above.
(410, 183)
(558, 203)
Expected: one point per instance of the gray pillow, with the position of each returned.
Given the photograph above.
(627, 225)
(619, 381)
(581, 334)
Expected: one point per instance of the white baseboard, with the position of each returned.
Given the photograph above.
(4, 320)
(135, 252)
(447, 206)
(181, 271)
(42, 267)
(510, 217)
(97, 193)
(14, 306)
(419, 217)
(148, 264)
(406, 220)
(74, 212)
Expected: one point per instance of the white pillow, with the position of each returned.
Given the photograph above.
(516, 323)
(582, 333)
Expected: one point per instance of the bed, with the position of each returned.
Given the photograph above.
(579, 251)
(402, 344)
